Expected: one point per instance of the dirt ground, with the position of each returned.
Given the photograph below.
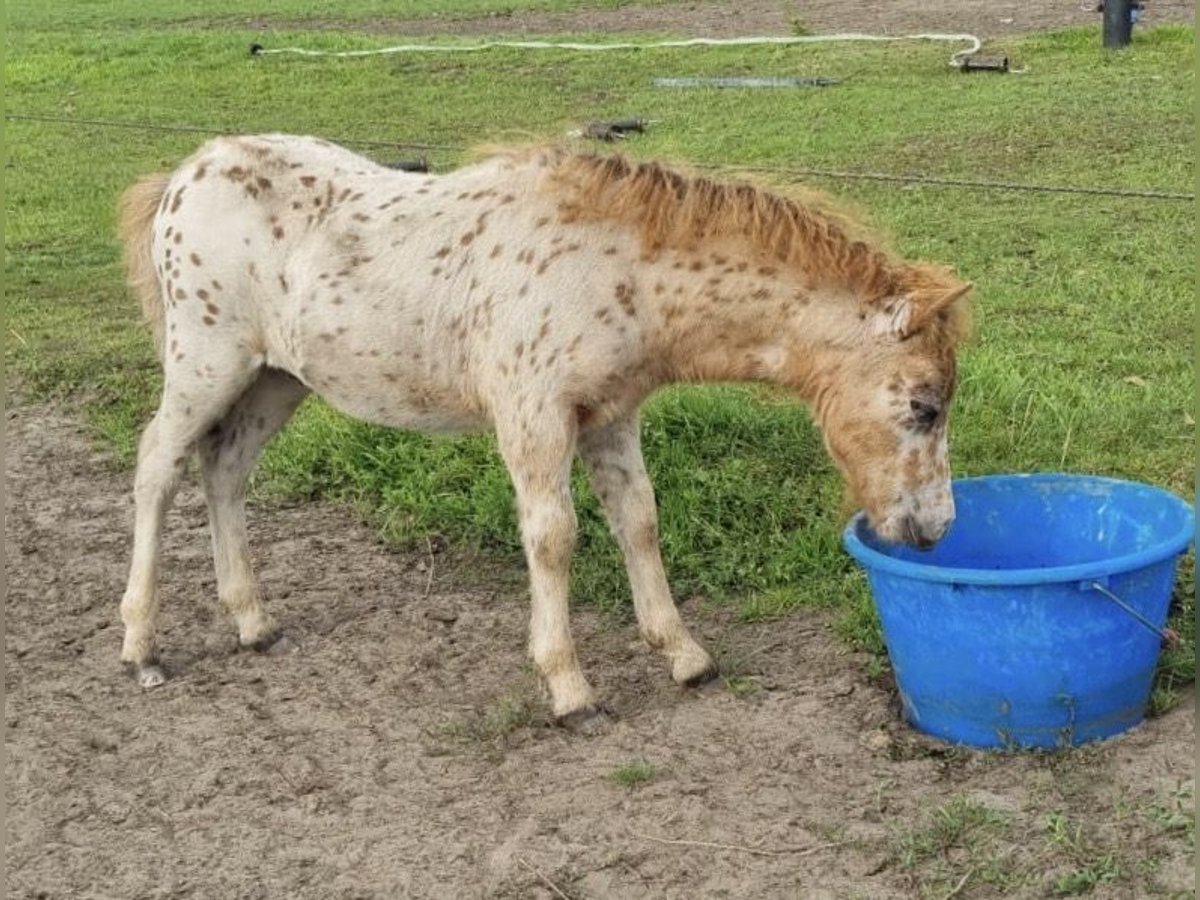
(986, 18)
(402, 750)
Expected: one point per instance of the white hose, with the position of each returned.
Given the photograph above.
(955, 60)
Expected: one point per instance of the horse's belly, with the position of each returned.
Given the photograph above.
(388, 398)
(383, 378)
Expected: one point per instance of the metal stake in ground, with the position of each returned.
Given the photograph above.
(1118, 21)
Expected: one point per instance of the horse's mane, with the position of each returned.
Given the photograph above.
(680, 211)
(674, 210)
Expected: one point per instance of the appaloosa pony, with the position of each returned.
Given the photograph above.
(542, 294)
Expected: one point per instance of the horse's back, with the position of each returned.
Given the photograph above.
(402, 298)
(330, 267)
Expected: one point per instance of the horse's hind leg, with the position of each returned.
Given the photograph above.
(192, 402)
(613, 458)
(227, 456)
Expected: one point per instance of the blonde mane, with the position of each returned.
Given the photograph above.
(674, 210)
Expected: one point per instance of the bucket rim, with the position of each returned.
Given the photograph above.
(1172, 546)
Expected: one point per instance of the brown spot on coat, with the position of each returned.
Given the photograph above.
(624, 295)
(195, 258)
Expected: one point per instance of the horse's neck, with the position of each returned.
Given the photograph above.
(758, 325)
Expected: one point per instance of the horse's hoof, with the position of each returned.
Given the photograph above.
(274, 644)
(147, 675)
(693, 668)
(589, 720)
(704, 676)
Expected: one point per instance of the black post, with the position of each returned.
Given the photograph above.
(1118, 26)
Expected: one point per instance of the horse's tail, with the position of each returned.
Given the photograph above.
(135, 220)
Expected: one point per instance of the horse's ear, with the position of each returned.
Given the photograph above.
(908, 313)
(928, 307)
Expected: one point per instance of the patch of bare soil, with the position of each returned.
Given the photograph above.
(402, 750)
(984, 18)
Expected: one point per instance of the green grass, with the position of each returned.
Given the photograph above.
(1081, 360)
(634, 773)
(965, 847)
(492, 726)
(85, 14)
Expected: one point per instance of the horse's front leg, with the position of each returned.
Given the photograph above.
(613, 457)
(538, 455)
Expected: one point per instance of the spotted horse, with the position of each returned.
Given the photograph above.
(542, 294)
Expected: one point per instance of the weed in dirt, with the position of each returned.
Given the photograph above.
(741, 685)
(736, 670)
(1176, 813)
(508, 715)
(799, 27)
(960, 823)
(1091, 868)
(878, 669)
(634, 773)
(960, 843)
(1177, 664)
(1086, 879)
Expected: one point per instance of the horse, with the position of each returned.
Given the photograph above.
(542, 293)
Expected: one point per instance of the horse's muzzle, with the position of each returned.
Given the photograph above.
(918, 535)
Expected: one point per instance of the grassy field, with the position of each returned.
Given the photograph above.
(1081, 362)
(81, 15)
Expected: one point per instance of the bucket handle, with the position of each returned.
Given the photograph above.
(1169, 636)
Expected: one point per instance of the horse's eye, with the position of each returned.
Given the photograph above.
(926, 413)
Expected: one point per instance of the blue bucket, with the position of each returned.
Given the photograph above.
(1033, 622)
